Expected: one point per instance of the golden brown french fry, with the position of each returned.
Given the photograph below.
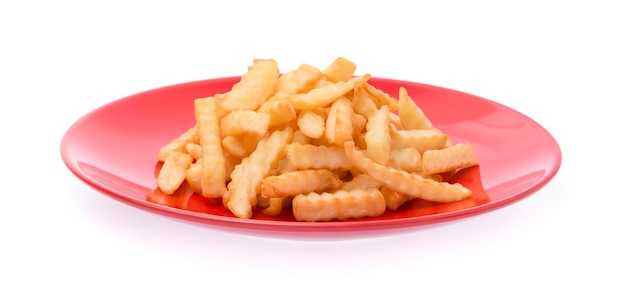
(178, 144)
(299, 182)
(254, 87)
(409, 184)
(172, 173)
(213, 170)
(407, 159)
(339, 205)
(308, 156)
(312, 123)
(377, 137)
(341, 69)
(339, 122)
(393, 199)
(449, 159)
(246, 177)
(240, 122)
(411, 116)
(421, 139)
(299, 80)
(325, 95)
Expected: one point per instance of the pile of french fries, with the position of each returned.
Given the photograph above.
(324, 144)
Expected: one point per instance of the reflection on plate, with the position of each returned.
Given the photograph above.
(114, 147)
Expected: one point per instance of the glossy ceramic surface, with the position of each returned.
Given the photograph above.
(113, 149)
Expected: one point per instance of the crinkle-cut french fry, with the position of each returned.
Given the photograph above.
(233, 146)
(393, 199)
(194, 149)
(339, 122)
(240, 122)
(299, 182)
(421, 139)
(377, 136)
(326, 94)
(380, 97)
(274, 206)
(312, 123)
(280, 110)
(362, 103)
(341, 69)
(246, 177)
(297, 81)
(172, 173)
(407, 159)
(308, 156)
(410, 184)
(360, 181)
(193, 175)
(358, 124)
(411, 115)
(178, 144)
(340, 205)
(458, 156)
(254, 87)
(208, 128)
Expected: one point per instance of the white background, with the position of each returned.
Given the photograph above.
(562, 63)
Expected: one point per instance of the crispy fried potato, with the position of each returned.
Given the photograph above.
(312, 123)
(240, 122)
(421, 139)
(254, 87)
(406, 183)
(341, 69)
(246, 177)
(308, 156)
(449, 159)
(213, 168)
(326, 94)
(377, 137)
(339, 122)
(411, 116)
(172, 173)
(178, 144)
(339, 205)
(299, 182)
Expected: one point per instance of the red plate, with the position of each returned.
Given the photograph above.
(114, 147)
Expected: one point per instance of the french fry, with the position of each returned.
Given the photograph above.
(297, 81)
(340, 205)
(193, 176)
(299, 182)
(308, 156)
(339, 122)
(422, 140)
(326, 94)
(254, 87)
(178, 144)
(341, 69)
(172, 173)
(408, 159)
(246, 177)
(280, 110)
(194, 149)
(449, 159)
(377, 137)
(411, 116)
(240, 122)
(393, 199)
(312, 123)
(213, 168)
(380, 97)
(409, 184)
